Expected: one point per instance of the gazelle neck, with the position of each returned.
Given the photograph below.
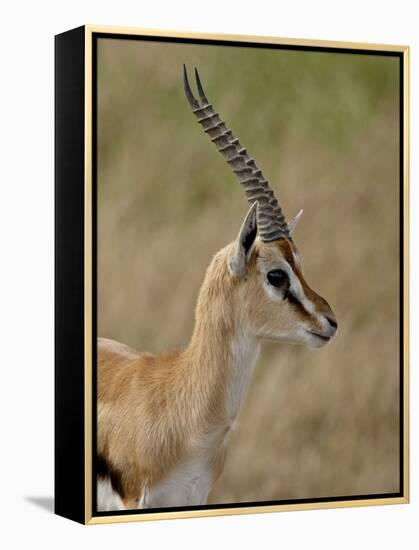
(222, 354)
(244, 353)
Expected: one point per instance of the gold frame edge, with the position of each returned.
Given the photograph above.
(269, 508)
(171, 33)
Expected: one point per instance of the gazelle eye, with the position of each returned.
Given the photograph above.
(278, 278)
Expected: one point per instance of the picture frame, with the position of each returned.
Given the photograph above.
(78, 156)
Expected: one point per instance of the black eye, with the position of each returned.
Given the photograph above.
(278, 278)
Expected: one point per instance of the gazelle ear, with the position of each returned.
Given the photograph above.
(244, 242)
(293, 223)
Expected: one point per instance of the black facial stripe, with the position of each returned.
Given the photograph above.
(285, 287)
(293, 300)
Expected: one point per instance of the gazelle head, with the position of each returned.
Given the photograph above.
(272, 297)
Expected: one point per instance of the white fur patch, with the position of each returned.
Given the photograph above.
(188, 484)
(245, 351)
(107, 499)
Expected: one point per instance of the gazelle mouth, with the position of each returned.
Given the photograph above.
(320, 336)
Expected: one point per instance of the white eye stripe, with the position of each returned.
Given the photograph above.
(295, 284)
(297, 289)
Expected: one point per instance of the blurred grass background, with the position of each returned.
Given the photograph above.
(324, 129)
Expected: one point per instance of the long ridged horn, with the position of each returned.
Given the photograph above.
(270, 219)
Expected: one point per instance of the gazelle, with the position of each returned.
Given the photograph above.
(164, 420)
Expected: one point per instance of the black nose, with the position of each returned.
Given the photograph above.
(332, 322)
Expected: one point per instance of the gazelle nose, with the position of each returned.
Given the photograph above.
(332, 322)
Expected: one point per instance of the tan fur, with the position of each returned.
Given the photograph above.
(156, 411)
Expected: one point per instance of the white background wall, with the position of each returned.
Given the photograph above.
(26, 305)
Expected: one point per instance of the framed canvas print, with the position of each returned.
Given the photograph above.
(200, 370)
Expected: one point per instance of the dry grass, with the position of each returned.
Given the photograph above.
(324, 129)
